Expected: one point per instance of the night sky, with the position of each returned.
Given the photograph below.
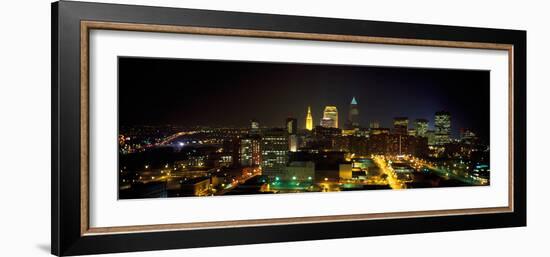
(231, 93)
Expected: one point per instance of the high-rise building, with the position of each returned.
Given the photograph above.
(467, 136)
(400, 125)
(330, 117)
(442, 128)
(291, 129)
(353, 115)
(309, 119)
(249, 151)
(254, 127)
(421, 127)
(327, 123)
(374, 124)
(291, 126)
(274, 149)
(430, 134)
(293, 143)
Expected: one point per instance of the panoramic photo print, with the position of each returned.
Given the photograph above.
(191, 128)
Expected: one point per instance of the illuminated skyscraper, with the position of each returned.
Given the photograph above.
(467, 136)
(400, 125)
(274, 150)
(374, 124)
(421, 127)
(327, 123)
(330, 117)
(291, 126)
(442, 128)
(431, 137)
(353, 115)
(249, 151)
(309, 119)
(291, 129)
(254, 127)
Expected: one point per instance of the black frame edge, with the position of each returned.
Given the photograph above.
(54, 130)
(520, 125)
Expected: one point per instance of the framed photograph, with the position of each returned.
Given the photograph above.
(178, 128)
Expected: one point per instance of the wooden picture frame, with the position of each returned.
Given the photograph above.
(71, 25)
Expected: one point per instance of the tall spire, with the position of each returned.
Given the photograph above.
(353, 115)
(309, 119)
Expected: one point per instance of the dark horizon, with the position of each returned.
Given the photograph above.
(230, 93)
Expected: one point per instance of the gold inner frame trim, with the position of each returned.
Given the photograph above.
(86, 26)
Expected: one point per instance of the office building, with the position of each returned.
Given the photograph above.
(249, 151)
(442, 128)
(254, 127)
(330, 117)
(421, 127)
(400, 125)
(274, 148)
(374, 124)
(291, 126)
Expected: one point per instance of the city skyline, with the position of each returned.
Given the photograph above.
(237, 128)
(144, 106)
